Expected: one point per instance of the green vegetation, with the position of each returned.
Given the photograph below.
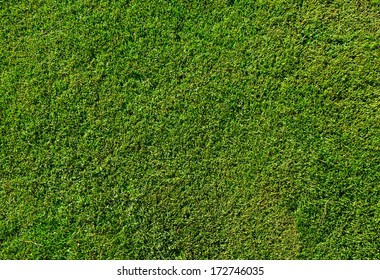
(189, 129)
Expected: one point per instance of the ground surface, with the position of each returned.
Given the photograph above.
(189, 129)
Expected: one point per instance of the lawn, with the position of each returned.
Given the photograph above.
(189, 129)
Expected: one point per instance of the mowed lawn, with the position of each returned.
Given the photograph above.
(189, 129)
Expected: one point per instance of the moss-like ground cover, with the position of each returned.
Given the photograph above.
(189, 129)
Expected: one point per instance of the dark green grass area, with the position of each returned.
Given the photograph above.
(189, 129)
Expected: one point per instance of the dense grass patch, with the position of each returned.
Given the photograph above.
(189, 129)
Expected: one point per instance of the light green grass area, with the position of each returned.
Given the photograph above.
(189, 129)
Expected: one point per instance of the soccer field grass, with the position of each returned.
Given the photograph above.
(189, 129)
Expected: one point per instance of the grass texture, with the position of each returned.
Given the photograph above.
(189, 129)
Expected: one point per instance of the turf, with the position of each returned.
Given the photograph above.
(190, 129)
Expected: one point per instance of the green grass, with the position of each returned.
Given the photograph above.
(189, 129)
